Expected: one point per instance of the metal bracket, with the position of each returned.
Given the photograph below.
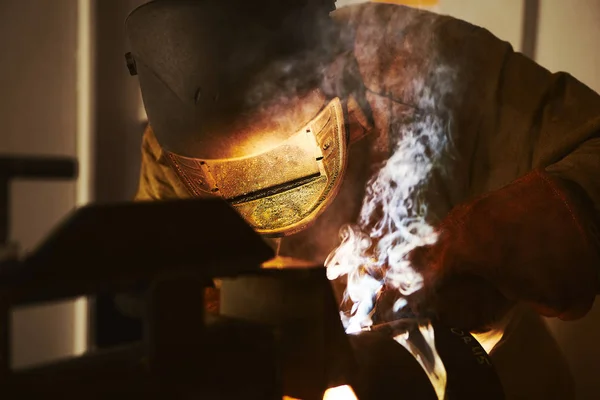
(131, 64)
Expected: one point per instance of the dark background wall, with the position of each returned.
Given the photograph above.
(38, 99)
(119, 122)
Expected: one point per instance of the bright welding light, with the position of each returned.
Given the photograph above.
(344, 392)
(373, 253)
(340, 393)
(393, 221)
(417, 341)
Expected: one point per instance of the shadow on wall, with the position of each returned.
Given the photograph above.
(119, 127)
(37, 109)
(579, 342)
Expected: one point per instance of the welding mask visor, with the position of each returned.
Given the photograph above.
(281, 190)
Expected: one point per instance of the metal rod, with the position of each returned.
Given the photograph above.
(28, 168)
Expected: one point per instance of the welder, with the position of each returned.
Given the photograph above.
(286, 109)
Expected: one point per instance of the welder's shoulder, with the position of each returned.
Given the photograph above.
(385, 26)
(388, 21)
(376, 21)
(385, 39)
(392, 41)
(377, 14)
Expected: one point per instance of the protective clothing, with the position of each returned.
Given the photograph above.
(524, 151)
(509, 116)
(530, 238)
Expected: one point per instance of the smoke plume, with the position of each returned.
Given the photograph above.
(373, 252)
(393, 220)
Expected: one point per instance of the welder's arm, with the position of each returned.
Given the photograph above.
(532, 240)
(558, 124)
(531, 228)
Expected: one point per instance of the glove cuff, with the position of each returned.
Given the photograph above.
(534, 239)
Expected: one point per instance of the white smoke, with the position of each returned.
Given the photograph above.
(393, 220)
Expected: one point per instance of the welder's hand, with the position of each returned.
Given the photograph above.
(532, 241)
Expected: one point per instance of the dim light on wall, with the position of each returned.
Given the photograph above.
(142, 116)
(85, 145)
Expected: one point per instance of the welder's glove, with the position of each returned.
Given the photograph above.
(533, 241)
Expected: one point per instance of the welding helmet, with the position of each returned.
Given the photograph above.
(232, 93)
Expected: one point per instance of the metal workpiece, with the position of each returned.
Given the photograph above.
(157, 246)
(238, 360)
(298, 301)
(114, 246)
(387, 370)
(296, 297)
(278, 331)
(470, 373)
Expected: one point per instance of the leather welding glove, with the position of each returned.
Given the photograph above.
(532, 241)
